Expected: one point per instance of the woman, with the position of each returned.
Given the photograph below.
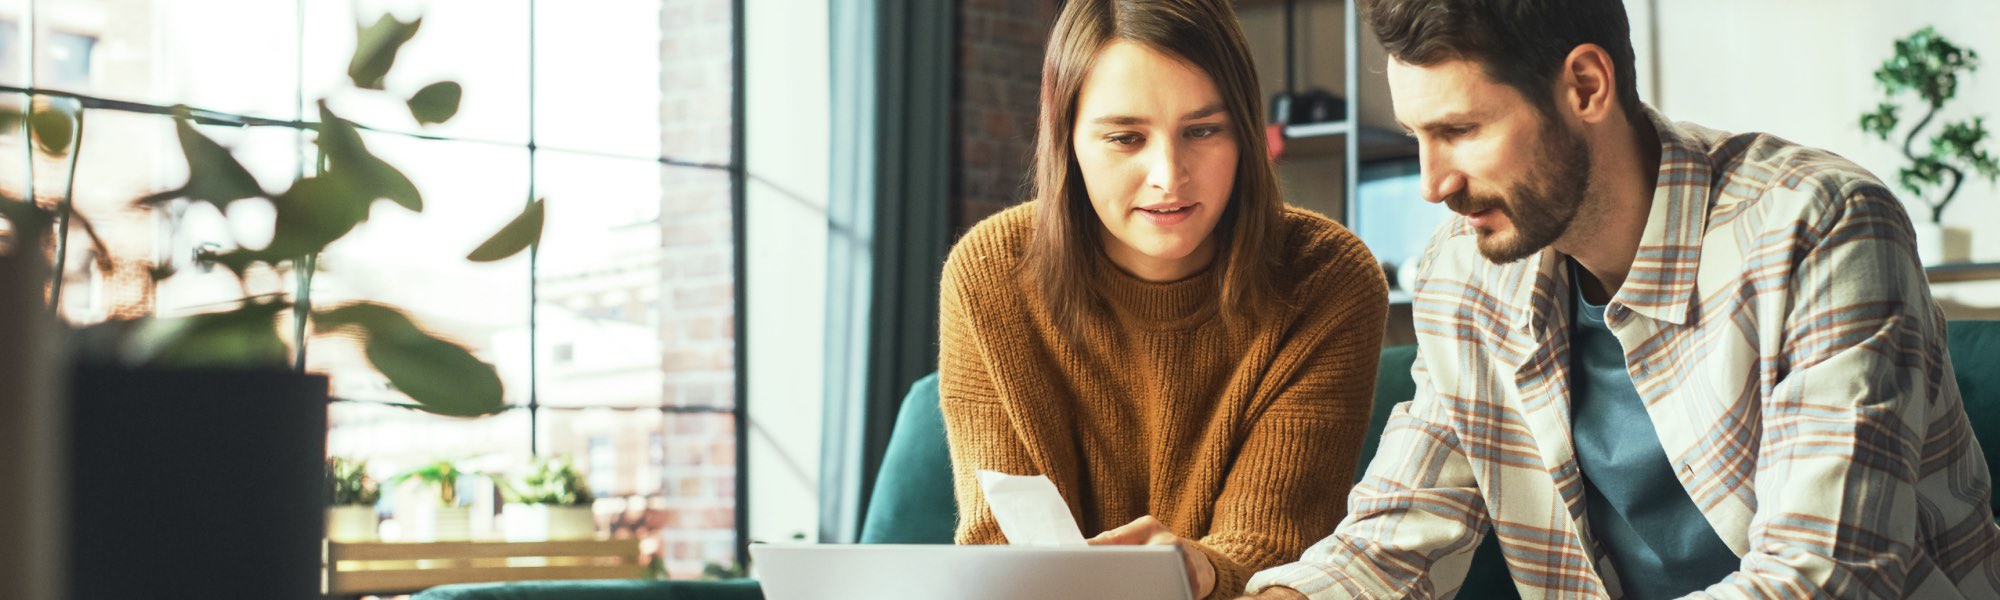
(1186, 358)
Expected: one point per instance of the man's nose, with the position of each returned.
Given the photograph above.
(1440, 180)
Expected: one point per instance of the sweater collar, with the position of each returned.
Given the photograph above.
(1178, 304)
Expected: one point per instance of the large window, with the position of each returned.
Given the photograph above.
(616, 340)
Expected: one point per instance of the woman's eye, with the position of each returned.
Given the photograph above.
(1124, 139)
(1204, 131)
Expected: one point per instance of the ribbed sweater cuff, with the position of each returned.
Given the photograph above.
(1229, 576)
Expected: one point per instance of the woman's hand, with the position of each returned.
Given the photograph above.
(1147, 530)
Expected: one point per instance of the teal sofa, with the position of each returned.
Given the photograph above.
(913, 501)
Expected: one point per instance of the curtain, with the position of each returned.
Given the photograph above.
(888, 217)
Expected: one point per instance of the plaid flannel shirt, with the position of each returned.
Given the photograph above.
(1783, 337)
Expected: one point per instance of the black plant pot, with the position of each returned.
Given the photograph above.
(196, 483)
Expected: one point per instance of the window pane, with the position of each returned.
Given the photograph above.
(233, 56)
(598, 76)
(481, 45)
(634, 309)
(182, 228)
(669, 479)
(122, 157)
(599, 280)
(13, 42)
(416, 261)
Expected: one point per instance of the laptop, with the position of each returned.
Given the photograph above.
(942, 572)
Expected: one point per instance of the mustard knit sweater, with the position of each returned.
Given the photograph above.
(1244, 443)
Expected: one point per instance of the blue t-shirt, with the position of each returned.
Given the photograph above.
(1654, 535)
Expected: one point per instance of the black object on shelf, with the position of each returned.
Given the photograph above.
(1313, 106)
(1293, 107)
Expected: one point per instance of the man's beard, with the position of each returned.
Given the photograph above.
(1540, 207)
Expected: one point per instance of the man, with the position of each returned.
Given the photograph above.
(1655, 359)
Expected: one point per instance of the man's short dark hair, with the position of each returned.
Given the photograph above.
(1519, 43)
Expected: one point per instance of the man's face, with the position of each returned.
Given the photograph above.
(1518, 176)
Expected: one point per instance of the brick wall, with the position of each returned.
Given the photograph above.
(695, 522)
(998, 78)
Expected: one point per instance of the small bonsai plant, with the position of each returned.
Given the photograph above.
(1928, 65)
(548, 481)
(314, 211)
(348, 483)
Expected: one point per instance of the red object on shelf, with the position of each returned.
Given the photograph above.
(1274, 140)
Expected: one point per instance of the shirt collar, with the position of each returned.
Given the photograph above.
(1661, 283)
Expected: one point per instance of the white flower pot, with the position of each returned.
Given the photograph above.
(1942, 244)
(432, 523)
(543, 522)
(351, 523)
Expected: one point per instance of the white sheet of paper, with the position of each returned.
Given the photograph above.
(1030, 510)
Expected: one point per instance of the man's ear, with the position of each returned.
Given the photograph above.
(1587, 86)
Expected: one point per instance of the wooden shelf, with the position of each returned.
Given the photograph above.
(405, 568)
(1326, 139)
(1313, 130)
(1961, 272)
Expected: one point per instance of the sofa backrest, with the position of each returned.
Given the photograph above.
(912, 502)
(1975, 361)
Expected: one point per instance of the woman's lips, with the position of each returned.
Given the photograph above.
(1170, 218)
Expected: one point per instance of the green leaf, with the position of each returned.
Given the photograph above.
(524, 231)
(349, 161)
(314, 213)
(9, 119)
(1880, 122)
(441, 476)
(214, 175)
(442, 377)
(239, 261)
(54, 124)
(437, 102)
(375, 50)
(247, 336)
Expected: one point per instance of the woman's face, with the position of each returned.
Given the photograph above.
(1158, 158)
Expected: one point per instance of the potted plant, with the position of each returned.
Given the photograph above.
(550, 501)
(445, 520)
(1929, 66)
(350, 496)
(213, 405)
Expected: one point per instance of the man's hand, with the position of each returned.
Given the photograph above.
(1276, 593)
(1147, 530)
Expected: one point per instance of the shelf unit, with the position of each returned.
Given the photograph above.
(1306, 44)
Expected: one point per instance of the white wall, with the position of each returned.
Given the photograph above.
(786, 120)
(1803, 70)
